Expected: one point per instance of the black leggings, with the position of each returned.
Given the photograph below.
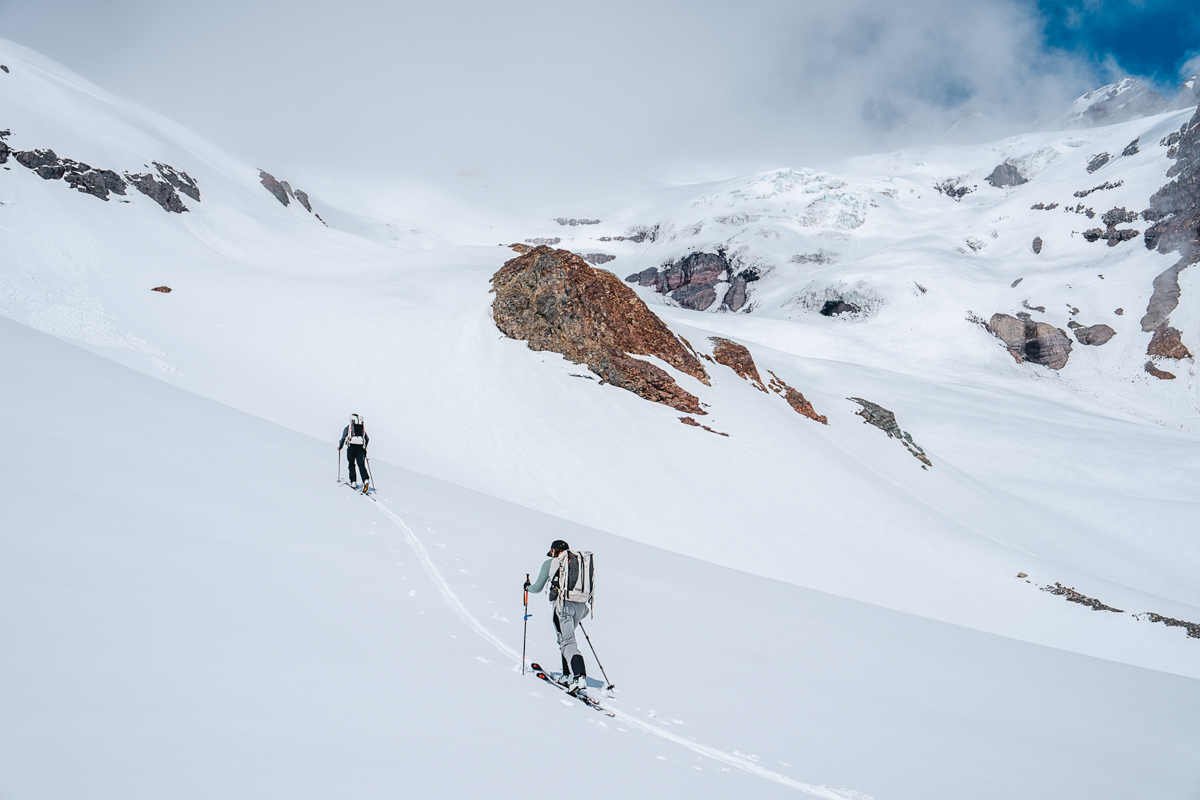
(357, 454)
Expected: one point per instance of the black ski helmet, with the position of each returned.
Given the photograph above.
(559, 545)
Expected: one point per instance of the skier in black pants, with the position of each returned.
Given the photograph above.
(355, 440)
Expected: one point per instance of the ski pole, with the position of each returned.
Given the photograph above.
(525, 632)
(602, 672)
(339, 475)
(370, 477)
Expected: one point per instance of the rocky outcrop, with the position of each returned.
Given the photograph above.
(834, 308)
(1095, 335)
(302, 199)
(539, 241)
(274, 187)
(1161, 374)
(180, 181)
(1037, 245)
(693, 280)
(1111, 219)
(1131, 149)
(955, 189)
(1077, 597)
(1192, 628)
(885, 420)
(79, 176)
(1097, 161)
(1175, 216)
(1005, 175)
(159, 191)
(1127, 99)
(796, 400)
(1167, 343)
(573, 222)
(694, 424)
(163, 289)
(556, 301)
(737, 357)
(1036, 342)
(638, 233)
(598, 258)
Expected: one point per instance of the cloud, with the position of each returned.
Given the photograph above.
(557, 94)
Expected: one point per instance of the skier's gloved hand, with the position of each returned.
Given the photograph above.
(526, 586)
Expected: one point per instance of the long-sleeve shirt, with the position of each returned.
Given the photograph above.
(346, 435)
(543, 576)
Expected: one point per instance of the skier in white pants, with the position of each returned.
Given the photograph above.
(567, 616)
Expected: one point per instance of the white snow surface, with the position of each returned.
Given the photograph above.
(193, 607)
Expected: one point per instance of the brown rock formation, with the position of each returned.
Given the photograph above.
(1037, 342)
(163, 289)
(1166, 343)
(556, 301)
(737, 358)
(796, 400)
(694, 424)
(1161, 374)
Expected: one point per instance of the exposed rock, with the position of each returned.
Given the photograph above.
(885, 420)
(1039, 309)
(1161, 374)
(820, 257)
(1111, 234)
(44, 162)
(1013, 285)
(521, 248)
(1097, 162)
(598, 258)
(955, 190)
(1077, 597)
(179, 180)
(159, 191)
(1100, 188)
(796, 400)
(1022, 575)
(1005, 175)
(3, 67)
(833, 308)
(1094, 335)
(1073, 325)
(574, 222)
(274, 187)
(1166, 343)
(737, 357)
(549, 240)
(1036, 342)
(1037, 247)
(1119, 312)
(557, 301)
(302, 199)
(692, 280)
(694, 424)
(1131, 149)
(1192, 628)
(1043, 207)
(163, 289)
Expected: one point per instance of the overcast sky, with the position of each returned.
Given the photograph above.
(566, 92)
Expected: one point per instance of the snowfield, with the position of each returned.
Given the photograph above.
(194, 607)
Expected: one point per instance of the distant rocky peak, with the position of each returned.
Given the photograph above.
(1189, 92)
(1124, 100)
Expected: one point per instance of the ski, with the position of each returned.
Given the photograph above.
(587, 701)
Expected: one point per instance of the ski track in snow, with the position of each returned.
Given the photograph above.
(456, 605)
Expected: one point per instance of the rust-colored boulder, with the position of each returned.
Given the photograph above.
(737, 358)
(556, 301)
(1094, 335)
(163, 289)
(1161, 374)
(796, 400)
(1166, 343)
(694, 424)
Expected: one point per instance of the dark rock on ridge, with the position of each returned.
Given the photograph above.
(1005, 175)
(1077, 597)
(1036, 342)
(274, 187)
(885, 420)
(302, 199)
(1037, 246)
(556, 301)
(1097, 162)
(573, 222)
(179, 180)
(833, 308)
(1192, 628)
(4, 67)
(1111, 234)
(598, 258)
(692, 280)
(82, 177)
(159, 191)
(1131, 149)
(1094, 335)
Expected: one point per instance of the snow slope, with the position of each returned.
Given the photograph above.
(823, 556)
(238, 624)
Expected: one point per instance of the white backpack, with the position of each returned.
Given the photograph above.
(576, 578)
(357, 431)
